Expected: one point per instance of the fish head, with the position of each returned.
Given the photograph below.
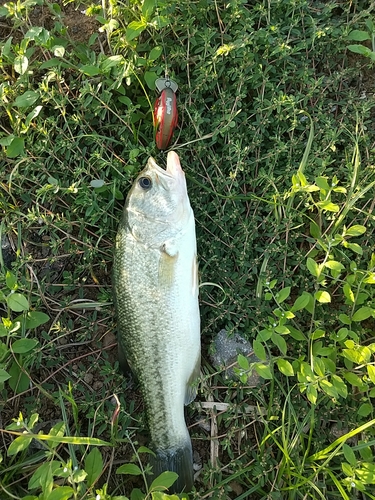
(158, 206)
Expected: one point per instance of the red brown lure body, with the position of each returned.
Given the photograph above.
(165, 117)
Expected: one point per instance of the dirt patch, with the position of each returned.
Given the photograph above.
(80, 26)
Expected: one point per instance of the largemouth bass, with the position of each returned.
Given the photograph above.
(156, 295)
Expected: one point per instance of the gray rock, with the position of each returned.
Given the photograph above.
(225, 350)
(7, 253)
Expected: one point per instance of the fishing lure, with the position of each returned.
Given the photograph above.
(165, 112)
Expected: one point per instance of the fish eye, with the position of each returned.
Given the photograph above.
(145, 182)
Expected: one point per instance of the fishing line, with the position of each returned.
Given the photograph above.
(165, 115)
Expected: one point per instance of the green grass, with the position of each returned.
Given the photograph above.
(276, 138)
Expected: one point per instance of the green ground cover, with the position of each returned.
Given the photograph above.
(276, 135)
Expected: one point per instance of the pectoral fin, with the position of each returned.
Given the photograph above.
(167, 264)
(191, 388)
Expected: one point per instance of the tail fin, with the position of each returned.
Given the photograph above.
(178, 460)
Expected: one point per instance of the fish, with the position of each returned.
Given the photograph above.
(155, 283)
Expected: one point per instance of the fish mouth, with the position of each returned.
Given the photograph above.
(173, 165)
(154, 166)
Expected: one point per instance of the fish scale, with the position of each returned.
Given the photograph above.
(156, 295)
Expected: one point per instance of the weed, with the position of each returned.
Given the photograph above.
(276, 139)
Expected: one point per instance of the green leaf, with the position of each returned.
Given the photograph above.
(243, 362)
(352, 355)
(356, 230)
(296, 334)
(16, 147)
(347, 470)
(61, 493)
(34, 319)
(313, 267)
(21, 63)
(134, 29)
(44, 474)
(263, 371)
(339, 385)
(4, 12)
(366, 454)
(19, 381)
(323, 297)
(19, 444)
(363, 313)
(319, 366)
(33, 114)
(328, 206)
(148, 8)
(159, 495)
(3, 333)
(150, 78)
(354, 247)
(136, 494)
(312, 394)
(370, 25)
(26, 99)
(371, 373)
(259, 350)
(370, 279)
(93, 466)
(279, 341)
(33, 420)
(24, 345)
(334, 265)
(90, 70)
(79, 475)
(111, 62)
(339, 189)
(144, 449)
(317, 334)
(328, 388)
(54, 61)
(17, 302)
(344, 318)
(349, 455)
(160, 22)
(358, 36)
(4, 375)
(155, 53)
(322, 183)
(264, 335)
(76, 440)
(282, 329)
(131, 469)
(353, 379)
(164, 480)
(283, 294)
(361, 49)
(125, 100)
(34, 32)
(315, 230)
(365, 409)
(11, 281)
(348, 292)
(58, 430)
(285, 367)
